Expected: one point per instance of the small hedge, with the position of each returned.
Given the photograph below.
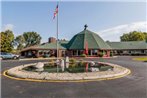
(101, 54)
(72, 60)
(111, 54)
(72, 65)
(83, 55)
(51, 60)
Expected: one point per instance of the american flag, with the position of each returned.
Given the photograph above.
(55, 12)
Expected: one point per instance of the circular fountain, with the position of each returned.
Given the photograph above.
(64, 70)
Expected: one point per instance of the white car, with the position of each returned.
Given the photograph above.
(4, 55)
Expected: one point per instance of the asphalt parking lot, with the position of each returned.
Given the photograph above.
(131, 86)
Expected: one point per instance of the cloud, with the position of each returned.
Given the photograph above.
(114, 33)
(8, 27)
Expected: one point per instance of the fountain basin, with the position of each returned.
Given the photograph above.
(22, 73)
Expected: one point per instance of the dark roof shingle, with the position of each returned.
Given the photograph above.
(94, 41)
(128, 45)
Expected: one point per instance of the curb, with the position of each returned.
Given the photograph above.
(60, 58)
(36, 59)
(60, 81)
(97, 57)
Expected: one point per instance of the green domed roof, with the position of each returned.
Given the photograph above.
(94, 41)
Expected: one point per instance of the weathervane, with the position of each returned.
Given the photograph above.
(85, 26)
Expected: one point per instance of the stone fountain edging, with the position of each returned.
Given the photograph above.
(17, 72)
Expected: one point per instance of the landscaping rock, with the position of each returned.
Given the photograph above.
(39, 65)
(92, 63)
(40, 69)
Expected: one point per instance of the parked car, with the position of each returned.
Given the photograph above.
(4, 55)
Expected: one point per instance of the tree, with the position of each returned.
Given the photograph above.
(133, 36)
(6, 41)
(31, 38)
(27, 39)
(145, 35)
(125, 37)
(19, 42)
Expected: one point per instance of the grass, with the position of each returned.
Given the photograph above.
(141, 59)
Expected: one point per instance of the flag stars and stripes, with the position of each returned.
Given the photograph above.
(55, 12)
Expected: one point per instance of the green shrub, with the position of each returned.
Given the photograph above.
(101, 54)
(72, 65)
(51, 61)
(80, 63)
(83, 55)
(111, 54)
(72, 60)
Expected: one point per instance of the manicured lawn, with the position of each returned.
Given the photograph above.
(141, 59)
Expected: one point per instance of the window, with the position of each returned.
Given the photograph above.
(94, 52)
(142, 51)
(40, 53)
(74, 52)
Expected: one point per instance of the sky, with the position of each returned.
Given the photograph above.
(108, 19)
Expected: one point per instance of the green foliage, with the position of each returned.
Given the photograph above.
(27, 39)
(101, 54)
(83, 55)
(72, 60)
(51, 60)
(111, 54)
(31, 38)
(15, 51)
(134, 36)
(145, 35)
(6, 41)
(81, 63)
(19, 41)
(73, 65)
(124, 37)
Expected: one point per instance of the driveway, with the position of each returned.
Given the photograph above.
(131, 86)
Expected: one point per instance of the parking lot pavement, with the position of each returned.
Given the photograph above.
(131, 86)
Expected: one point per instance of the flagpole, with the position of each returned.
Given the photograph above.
(57, 39)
